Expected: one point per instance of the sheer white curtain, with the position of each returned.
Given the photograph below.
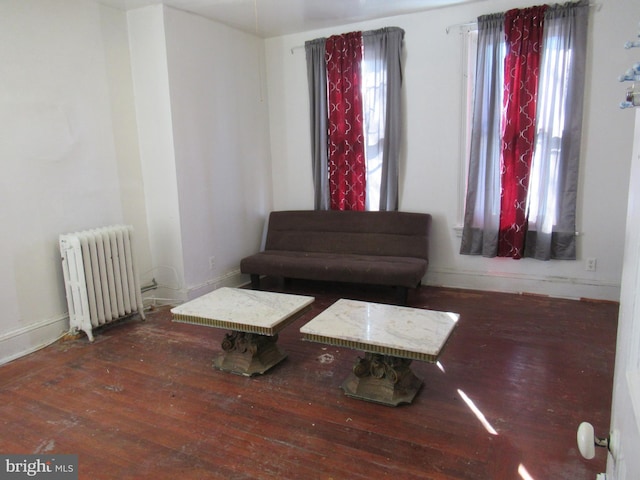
(374, 93)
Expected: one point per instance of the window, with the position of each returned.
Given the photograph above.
(355, 154)
(524, 132)
(374, 89)
(468, 61)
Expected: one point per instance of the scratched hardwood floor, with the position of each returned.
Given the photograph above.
(143, 401)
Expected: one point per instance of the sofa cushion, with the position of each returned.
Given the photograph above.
(342, 267)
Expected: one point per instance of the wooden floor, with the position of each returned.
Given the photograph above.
(143, 401)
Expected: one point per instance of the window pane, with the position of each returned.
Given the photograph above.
(374, 83)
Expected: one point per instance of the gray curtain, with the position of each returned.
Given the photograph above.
(317, 78)
(384, 47)
(482, 206)
(554, 176)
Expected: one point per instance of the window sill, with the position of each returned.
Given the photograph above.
(457, 229)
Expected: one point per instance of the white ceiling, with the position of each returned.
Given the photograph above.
(271, 18)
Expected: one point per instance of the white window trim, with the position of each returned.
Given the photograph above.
(466, 96)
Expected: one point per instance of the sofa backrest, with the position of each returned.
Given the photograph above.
(403, 234)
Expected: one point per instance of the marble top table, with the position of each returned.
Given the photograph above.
(391, 337)
(255, 318)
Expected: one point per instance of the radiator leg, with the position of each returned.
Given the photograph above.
(255, 281)
(89, 333)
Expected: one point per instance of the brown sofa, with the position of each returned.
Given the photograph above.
(377, 248)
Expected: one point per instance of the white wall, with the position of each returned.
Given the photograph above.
(155, 129)
(221, 139)
(60, 89)
(127, 148)
(431, 158)
(202, 117)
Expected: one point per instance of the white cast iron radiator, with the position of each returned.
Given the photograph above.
(100, 277)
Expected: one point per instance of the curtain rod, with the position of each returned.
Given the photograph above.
(366, 33)
(460, 25)
(596, 6)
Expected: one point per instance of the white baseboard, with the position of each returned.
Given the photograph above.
(232, 278)
(22, 341)
(562, 287)
(171, 296)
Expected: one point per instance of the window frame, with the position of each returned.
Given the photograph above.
(468, 57)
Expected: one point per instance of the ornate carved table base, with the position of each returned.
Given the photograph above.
(382, 379)
(249, 354)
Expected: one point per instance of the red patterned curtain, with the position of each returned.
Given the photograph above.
(523, 31)
(346, 160)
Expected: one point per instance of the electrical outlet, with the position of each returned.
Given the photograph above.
(591, 265)
(212, 262)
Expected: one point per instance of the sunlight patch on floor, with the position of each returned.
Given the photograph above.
(476, 411)
(523, 473)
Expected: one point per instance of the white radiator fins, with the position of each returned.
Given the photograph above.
(100, 276)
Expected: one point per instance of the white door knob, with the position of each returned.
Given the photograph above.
(587, 441)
